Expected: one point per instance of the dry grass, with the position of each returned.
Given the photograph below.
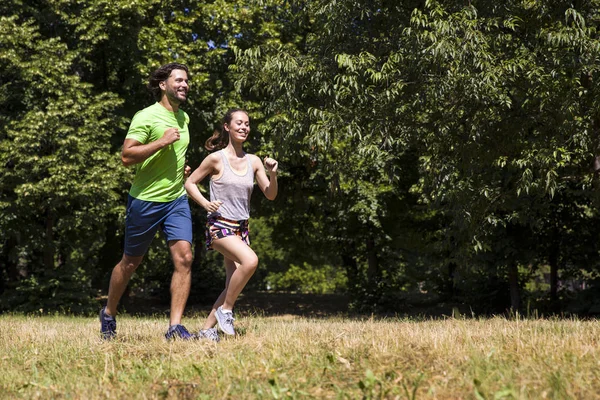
(293, 357)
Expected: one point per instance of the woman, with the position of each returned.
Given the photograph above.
(232, 173)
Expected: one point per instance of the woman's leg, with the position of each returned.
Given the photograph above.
(233, 248)
(230, 267)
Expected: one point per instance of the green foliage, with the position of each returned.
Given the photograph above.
(308, 279)
(61, 290)
(60, 180)
(495, 101)
(439, 144)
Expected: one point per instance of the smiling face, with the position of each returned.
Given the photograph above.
(238, 127)
(176, 86)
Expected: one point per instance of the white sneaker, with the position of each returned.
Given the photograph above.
(210, 334)
(225, 320)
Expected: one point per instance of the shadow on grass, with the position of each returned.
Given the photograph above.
(252, 303)
(271, 304)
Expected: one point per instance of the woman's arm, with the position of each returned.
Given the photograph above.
(209, 166)
(268, 185)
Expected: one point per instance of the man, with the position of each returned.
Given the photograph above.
(156, 144)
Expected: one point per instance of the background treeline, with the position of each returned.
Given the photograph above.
(440, 148)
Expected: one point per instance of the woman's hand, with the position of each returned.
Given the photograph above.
(213, 206)
(271, 164)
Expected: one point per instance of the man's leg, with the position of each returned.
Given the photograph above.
(177, 228)
(118, 281)
(141, 224)
(181, 251)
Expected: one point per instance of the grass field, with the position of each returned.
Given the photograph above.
(298, 357)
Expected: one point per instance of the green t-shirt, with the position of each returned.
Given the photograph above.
(160, 177)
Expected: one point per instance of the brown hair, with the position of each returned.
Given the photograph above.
(162, 74)
(220, 138)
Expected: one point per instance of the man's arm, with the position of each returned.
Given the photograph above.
(135, 152)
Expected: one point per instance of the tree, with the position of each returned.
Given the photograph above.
(511, 118)
(60, 180)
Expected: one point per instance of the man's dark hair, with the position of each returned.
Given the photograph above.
(162, 74)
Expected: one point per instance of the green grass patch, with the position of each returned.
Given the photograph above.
(301, 358)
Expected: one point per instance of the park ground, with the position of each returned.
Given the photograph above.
(302, 348)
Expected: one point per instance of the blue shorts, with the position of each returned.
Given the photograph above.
(144, 218)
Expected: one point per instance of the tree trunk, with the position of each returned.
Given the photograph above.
(553, 261)
(351, 267)
(12, 272)
(49, 242)
(5, 266)
(373, 267)
(451, 287)
(513, 280)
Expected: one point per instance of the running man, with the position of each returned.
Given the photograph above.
(156, 144)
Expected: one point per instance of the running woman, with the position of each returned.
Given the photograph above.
(232, 174)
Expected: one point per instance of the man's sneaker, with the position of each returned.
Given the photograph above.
(210, 334)
(178, 332)
(225, 320)
(108, 325)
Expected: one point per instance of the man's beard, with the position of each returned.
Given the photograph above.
(173, 96)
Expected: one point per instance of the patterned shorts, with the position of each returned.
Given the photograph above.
(219, 227)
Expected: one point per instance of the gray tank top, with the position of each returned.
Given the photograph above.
(233, 190)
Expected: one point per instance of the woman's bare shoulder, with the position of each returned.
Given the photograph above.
(213, 158)
(253, 158)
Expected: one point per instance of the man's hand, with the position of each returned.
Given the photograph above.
(170, 136)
